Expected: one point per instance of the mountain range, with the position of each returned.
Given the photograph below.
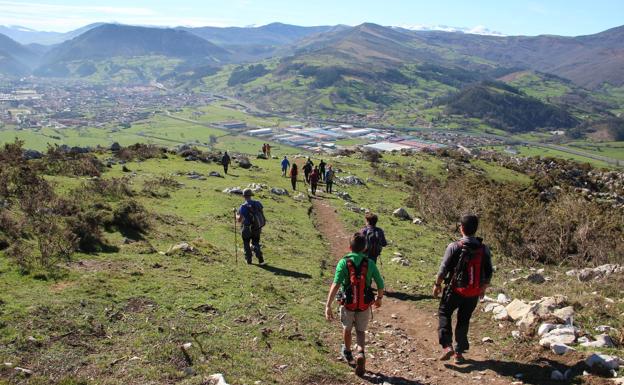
(327, 69)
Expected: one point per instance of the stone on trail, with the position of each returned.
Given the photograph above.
(546, 305)
(215, 174)
(561, 335)
(244, 162)
(516, 334)
(300, 197)
(401, 213)
(418, 221)
(487, 340)
(535, 278)
(545, 328)
(528, 321)
(180, 247)
(502, 299)
(351, 180)
(344, 195)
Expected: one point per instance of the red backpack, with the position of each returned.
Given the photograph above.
(466, 279)
(357, 296)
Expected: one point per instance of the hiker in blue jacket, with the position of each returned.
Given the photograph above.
(285, 166)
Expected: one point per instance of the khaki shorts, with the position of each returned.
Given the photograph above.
(359, 318)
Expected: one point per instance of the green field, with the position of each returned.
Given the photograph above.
(610, 149)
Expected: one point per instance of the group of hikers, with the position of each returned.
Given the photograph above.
(465, 270)
(312, 174)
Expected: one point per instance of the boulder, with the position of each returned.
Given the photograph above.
(215, 174)
(596, 273)
(401, 213)
(546, 305)
(500, 313)
(565, 314)
(115, 147)
(518, 309)
(279, 191)
(418, 221)
(244, 162)
(560, 349)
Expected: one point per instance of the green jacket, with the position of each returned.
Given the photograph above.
(342, 272)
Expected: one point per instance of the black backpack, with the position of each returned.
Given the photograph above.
(373, 247)
(256, 216)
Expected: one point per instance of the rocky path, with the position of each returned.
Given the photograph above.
(402, 337)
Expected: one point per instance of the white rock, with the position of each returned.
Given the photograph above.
(401, 213)
(278, 191)
(24, 371)
(502, 299)
(560, 349)
(500, 314)
(516, 334)
(564, 335)
(487, 340)
(417, 221)
(527, 322)
(518, 309)
(217, 379)
(602, 341)
(603, 328)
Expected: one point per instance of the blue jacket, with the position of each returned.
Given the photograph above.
(285, 163)
(245, 212)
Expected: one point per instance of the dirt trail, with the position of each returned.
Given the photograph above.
(403, 334)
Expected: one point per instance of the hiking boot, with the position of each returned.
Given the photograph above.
(248, 261)
(262, 263)
(360, 364)
(347, 355)
(447, 354)
(459, 358)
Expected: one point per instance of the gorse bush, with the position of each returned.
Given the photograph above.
(519, 223)
(140, 151)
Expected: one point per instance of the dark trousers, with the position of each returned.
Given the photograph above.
(306, 177)
(251, 242)
(322, 173)
(225, 168)
(328, 186)
(464, 306)
(293, 181)
(313, 187)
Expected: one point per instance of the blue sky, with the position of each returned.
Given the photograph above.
(562, 17)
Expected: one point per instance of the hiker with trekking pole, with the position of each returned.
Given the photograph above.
(352, 288)
(251, 217)
(466, 270)
(375, 237)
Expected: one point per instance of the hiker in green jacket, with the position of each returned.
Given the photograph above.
(354, 276)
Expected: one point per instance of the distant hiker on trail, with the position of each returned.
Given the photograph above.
(354, 276)
(264, 149)
(268, 151)
(285, 165)
(466, 270)
(314, 179)
(251, 216)
(225, 161)
(294, 171)
(329, 180)
(375, 237)
(307, 170)
(321, 167)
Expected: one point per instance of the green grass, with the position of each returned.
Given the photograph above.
(547, 152)
(610, 149)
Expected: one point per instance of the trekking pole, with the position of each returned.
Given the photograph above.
(235, 240)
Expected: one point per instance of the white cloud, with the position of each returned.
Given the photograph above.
(477, 30)
(63, 18)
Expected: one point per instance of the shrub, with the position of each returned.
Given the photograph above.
(131, 216)
(113, 188)
(140, 151)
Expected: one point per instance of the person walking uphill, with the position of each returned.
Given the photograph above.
(225, 162)
(314, 179)
(251, 216)
(354, 276)
(466, 269)
(375, 237)
(294, 171)
(285, 165)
